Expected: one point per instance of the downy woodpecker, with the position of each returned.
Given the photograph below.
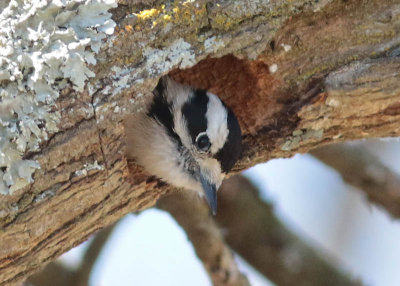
(187, 137)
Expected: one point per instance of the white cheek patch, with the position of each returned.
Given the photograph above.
(211, 169)
(217, 125)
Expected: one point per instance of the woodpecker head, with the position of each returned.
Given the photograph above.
(188, 137)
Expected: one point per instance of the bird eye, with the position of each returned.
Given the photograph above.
(203, 142)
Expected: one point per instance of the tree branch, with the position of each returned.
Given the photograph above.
(194, 217)
(364, 171)
(253, 231)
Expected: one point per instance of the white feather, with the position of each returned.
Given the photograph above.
(149, 144)
(217, 125)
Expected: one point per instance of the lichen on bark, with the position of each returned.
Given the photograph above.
(43, 48)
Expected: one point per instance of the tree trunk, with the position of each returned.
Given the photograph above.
(297, 74)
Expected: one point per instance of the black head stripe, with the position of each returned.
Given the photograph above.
(232, 149)
(161, 110)
(194, 111)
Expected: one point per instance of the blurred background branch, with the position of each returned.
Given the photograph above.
(58, 274)
(361, 169)
(253, 231)
(194, 217)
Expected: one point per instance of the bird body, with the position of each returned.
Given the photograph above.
(187, 137)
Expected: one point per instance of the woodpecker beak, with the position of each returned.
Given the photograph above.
(211, 193)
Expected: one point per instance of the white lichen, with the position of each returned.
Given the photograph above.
(301, 136)
(333, 102)
(180, 54)
(89, 167)
(273, 68)
(121, 82)
(46, 194)
(286, 47)
(212, 44)
(44, 46)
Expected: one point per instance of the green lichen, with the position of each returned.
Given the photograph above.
(180, 13)
(299, 137)
(225, 23)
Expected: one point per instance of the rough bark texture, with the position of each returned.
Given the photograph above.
(325, 72)
(57, 274)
